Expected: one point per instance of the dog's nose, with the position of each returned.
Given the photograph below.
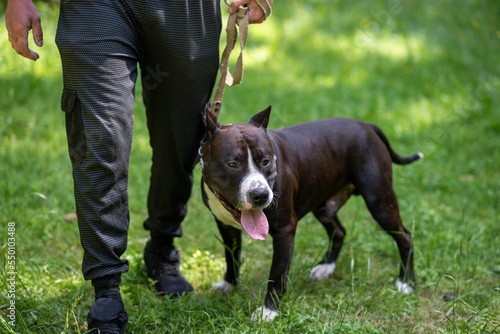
(258, 196)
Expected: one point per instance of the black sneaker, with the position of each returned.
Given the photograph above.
(107, 316)
(163, 267)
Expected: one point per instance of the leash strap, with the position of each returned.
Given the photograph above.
(265, 6)
(241, 16)
(232, 35)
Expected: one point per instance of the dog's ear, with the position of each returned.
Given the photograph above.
(262, 118)
(213, 124)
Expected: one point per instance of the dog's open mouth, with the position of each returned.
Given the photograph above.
(254, 221)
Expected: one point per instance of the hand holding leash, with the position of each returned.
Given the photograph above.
(258, 10)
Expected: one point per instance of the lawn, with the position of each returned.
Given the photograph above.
(427, 72)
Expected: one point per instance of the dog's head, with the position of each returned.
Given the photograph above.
(239, 167)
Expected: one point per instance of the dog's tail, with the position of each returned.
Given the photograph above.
(396, 158)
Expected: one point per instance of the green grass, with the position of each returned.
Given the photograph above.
(427, 72)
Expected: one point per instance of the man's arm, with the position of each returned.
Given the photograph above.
(22, 16)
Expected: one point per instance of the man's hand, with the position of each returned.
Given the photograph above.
(21, 16)
(255, 12)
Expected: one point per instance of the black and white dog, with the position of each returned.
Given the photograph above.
(264, 181)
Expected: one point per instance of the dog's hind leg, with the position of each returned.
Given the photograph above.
(383, 206)
(327, 215)
(232, 245)
(336, 233)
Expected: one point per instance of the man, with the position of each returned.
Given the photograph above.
(176, 44)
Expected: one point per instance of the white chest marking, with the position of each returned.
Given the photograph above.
(218, 210)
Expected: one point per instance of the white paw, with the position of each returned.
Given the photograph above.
(263, 314)
(223, 287)
(322, 271)
(403, 287)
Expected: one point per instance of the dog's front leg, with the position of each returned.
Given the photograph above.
(232, 246)
(283, 242)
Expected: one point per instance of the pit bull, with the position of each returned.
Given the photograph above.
(263, 181)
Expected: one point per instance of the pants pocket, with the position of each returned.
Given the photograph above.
(75, 132)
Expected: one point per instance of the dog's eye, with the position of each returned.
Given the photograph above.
(232, 164)
(265, 162)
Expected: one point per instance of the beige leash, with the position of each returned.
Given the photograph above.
(232, 35)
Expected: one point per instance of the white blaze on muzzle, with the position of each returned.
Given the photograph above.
(255, 195)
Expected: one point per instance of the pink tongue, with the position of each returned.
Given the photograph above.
(255, 223)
